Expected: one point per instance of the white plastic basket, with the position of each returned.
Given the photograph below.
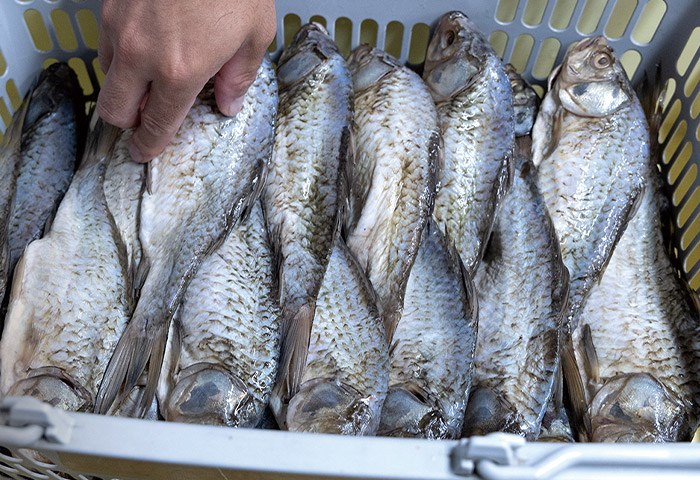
(531, 34)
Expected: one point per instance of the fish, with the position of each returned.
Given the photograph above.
(124, 184)
(432, 354)
(52, 136)
(305, 197)
(220, 365)
(347, 371)
(71, 298)
(204, 182)
(9, 162)
(474, 100)
(637, 340)
(397, 155)
(523, 287)
(590, 144)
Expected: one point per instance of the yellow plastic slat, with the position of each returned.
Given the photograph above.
(88, 28)
(420, 35)
(368, 32)
(686, 56)
(695, 107)
(292, 24)
(684, 185)
(591, 16)
(343, 35)
(498, 41)
(692, 81)
(630, 61)
(689, 207)
(394, 38)
(546, 58)
(620, 18)
(561, 16)
(521, 51)
(3, 64)
(675, 141)
(680, 162)
(691, 232)
(13, 93)
(64, 30)
(506, 10)
(318, 19)
(534, 12)
(37, 30)
(80, 70)
(649, 21)
(669, 121)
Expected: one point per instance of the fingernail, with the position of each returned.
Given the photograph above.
(136, 154)
(235, 106)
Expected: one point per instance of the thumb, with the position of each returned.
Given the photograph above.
(233, 80)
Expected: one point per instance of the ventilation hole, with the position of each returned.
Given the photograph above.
(521, 52)
(3, 64)
(697, 134)
(669, 120)
(273, 45)
(420, 34)
(538, 90)
(78, 66)
(394, 38)
(37, 30)
(695, 107)
(319, 19)
(689, 207)
(620, 18)
(505, 13)
(88, 27)
(292, 24)
(368, 32)
(49, 61)
(343, 35)
(534, 12)
(99, 74)
(692, 80)
(630, 61)
(675, 141)
(690, 261)
(546, 58)
(591, 16)
(680, 162)
(695, 281)
(691, 47)
(691, 232)
(4, 112)
(649, 21)
(561, 16)
(684, 185)
(13, 93)
(498, 41)
(64, 30)
(668, 91)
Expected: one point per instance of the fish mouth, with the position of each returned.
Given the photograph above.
(209, 394)
(637, 408)
(407, 413)
(327, 405)
(488, 411)
(55, 387)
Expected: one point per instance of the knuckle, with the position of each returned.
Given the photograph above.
(111, 113)
(156, 127)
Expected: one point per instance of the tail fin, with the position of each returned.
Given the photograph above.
(13, 134)
(99, 142)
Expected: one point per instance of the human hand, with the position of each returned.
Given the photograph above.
(157, 55)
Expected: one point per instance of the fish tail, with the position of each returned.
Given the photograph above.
(296, 335)
(576, 391)
(135, 348)
(13, 134)
(99, 142)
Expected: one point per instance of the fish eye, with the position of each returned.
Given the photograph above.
(449, 38)
(602, 60)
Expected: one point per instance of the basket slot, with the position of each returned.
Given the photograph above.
(692, 81)
(535, 12)
(667, 124)
(499, 42)
(507, 11)
(37, 30)
(689, 207)
(420, 36)
(63, 30)
(13, 94)
(695, 107)
(688, 52)
(368, 32)
(621, 18)
(88, 27)
(679, 163)
(394, 38)
(521, 52)
(691, 233)
(683, 186)
(547, 54)
(319, 19)
(292, 24)
(589, 18)
(630, 61)
(562, 14)
(646, 26)
(343, 34)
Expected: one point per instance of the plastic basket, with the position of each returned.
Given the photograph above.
(531, 34)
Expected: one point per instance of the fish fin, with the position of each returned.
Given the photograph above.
(149, 178)
(296, 335)
(13, 135)
(575, 390)
(591, 364)
(49, 219)
(553, 139)
(99, 142)
(138, 273)
(347, 159)
(436, 156)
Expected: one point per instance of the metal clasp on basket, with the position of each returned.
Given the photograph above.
(496, 448)
(25, 420)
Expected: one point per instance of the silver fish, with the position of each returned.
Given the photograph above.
(347, 370)
(305, 194)
(205, 181)
(433, 351)
(71, 298)
(397, 153)
(221, 363)
(50, 139)
(637, 342)
(591, 146)
(523, 287)
(475, 102)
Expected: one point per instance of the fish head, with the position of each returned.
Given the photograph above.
(408, 413)
(310, 48)
(330, 406)
(456, 54)
(368, 65)
(55, 387)
(488, 411)
(525, 102)
(57, 85)
(591, 81)
(637, 408)
(209, 394)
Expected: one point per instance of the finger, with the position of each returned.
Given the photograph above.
(234, 78)
(120, 96)
(105, 52)
(161, 117)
